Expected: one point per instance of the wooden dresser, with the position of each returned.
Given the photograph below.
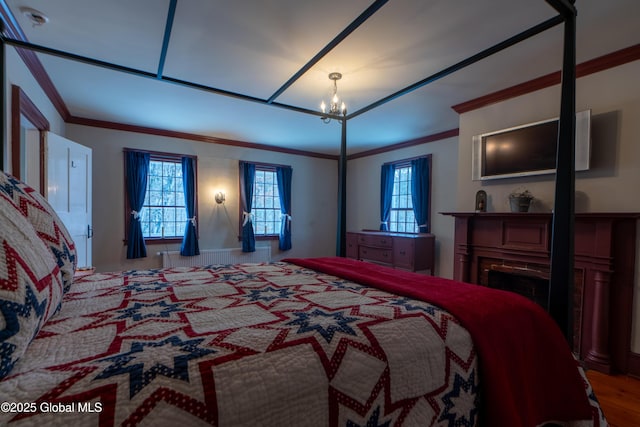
(413, 252)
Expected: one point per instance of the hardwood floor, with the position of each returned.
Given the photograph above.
(619, 397)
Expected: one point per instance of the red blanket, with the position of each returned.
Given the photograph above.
(528, 374)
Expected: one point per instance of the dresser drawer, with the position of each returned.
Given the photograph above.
(404, 253)
(370, 253)
(413, 252)
(373, 240)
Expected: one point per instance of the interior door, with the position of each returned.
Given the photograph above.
(69, 190)
(30, 157)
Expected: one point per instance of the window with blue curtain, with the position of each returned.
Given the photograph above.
(405, 195)
(421, 191)
(136, 176)
(269, 188)
(284, 174)
(189, 245)
(247, 176)
(169, 208)
(386, 192)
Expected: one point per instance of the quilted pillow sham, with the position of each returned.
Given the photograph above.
(46, 223)
(30, 284)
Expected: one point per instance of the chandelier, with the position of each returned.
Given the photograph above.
(335, 106)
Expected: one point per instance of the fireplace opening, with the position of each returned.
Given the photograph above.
(534, 288)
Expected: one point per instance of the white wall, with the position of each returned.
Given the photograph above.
(314, 199)
(363, 190)
(610, 186)
(614, 98)
(18, 74)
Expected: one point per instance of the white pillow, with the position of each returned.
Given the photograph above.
(31, 286)
(46, 223)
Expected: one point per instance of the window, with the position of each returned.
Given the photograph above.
(266, 202)
(163, 215)
(405, 196)
(402, 218)
(270, 204)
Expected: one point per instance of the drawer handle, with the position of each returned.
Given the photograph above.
(403, 253)
(383, 241)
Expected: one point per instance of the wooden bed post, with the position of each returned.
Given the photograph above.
(561, 281)
(341, 244)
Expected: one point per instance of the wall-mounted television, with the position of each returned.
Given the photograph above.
(527, 150)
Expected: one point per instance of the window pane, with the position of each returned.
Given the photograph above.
(155, 168)
(181, 215)
(179, 198)
(403, 188)
(411, 218)
(155, 183)
(402, 218)
(266, 205)
(164, 203)
(169, 199)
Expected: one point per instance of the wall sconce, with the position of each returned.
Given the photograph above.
(219, 197)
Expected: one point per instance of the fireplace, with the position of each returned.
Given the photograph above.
(510, 250)
(534, 288)
(532, 282)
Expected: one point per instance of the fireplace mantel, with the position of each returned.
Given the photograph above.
(604, 261)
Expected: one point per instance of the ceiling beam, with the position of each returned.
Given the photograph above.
(167, 36)
(333, 43)
(151, 75)
(565, 8)
(537, 29)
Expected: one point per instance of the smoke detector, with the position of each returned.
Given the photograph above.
(37, 18)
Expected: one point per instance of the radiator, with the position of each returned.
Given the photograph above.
(216, 256)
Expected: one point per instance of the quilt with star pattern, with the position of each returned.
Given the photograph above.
(272, 344)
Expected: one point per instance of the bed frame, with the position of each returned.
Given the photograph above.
(562, 244)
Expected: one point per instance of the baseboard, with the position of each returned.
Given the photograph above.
(634, 364)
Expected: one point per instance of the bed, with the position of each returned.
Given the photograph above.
(304, 342)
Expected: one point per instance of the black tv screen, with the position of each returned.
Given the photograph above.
(531, 148)
(528, 149)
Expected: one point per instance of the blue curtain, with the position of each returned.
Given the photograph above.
(137, 172)
(283, 174)
(247, 176)
(386, 190)
(420, 177)
(190, 240)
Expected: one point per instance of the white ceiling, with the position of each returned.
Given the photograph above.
(252, 47)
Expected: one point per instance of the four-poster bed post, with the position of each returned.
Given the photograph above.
(561, 280)
(341, 239)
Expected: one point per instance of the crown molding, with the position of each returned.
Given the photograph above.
(601, 63)
(411, 143)
(192, 137)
